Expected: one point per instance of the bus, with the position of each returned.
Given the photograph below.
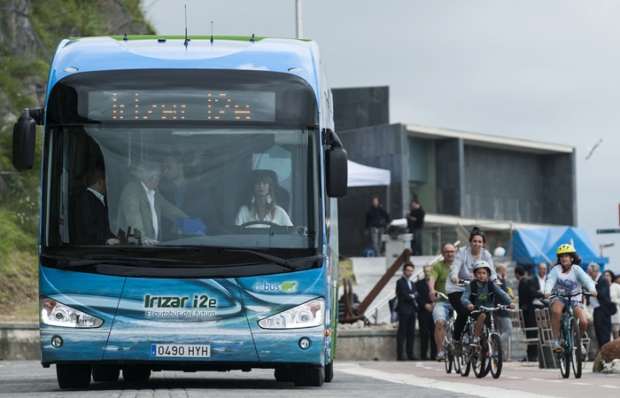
(189, 221)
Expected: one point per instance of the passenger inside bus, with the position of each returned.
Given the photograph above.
(189, 194)
(91, 222)
(142, 206)
(260, 207)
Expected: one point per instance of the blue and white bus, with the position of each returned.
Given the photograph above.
(188, 208)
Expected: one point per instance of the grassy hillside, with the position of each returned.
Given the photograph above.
(28, 39)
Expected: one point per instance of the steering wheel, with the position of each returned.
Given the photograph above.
(249, 223)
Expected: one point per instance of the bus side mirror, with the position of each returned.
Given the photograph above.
(335, 166)
(24, 138)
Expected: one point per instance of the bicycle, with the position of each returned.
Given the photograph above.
(488, 356)
(570, 338)
(447, 345)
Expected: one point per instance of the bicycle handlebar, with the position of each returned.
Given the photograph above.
(558, 294)
(441, 295)
(491, 309)
(497, 307)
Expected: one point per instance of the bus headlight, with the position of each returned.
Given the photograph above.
(305, 315)
(54, 313)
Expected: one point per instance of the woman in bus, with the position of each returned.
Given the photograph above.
(261, 203)
(462, 268)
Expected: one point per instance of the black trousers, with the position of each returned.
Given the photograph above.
(427, 332)
(406, 333)
(462, 314)
(530, 322)
(602, 327)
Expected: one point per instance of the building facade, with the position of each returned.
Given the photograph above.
(460, 178)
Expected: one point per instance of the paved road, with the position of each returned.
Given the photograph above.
(26, 379)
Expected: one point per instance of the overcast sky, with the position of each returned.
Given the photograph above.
(544, 70)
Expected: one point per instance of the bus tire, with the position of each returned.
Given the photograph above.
(73, 375)
(136, 374)
(309, 376)
(283, 375)
(103, 373)
(329, 372)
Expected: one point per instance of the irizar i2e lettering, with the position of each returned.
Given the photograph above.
(199, 301)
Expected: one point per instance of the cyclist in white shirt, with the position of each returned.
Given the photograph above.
(567, 277)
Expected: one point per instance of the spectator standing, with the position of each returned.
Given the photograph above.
(602, 305)
(425, 317)
(614, 292)
(377, 220)
(415, 224)
(407, 310)
(524, 301)
(535, 292)
(503, 317)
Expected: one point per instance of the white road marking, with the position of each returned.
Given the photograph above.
(462, 388)
(607, 386)
(582, 384)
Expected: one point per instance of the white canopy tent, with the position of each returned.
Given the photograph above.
(366, 176)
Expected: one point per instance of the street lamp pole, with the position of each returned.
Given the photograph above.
(604, 245)
(298, 18)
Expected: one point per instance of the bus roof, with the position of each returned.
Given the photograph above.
(157, 52)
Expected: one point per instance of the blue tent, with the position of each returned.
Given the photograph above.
(529, 245)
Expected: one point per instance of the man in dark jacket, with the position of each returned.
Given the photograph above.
(425, 317)
(603, 307)
(407, 310)
(536, 286)
(377, 220)
(523, 303)
(415, 224)
(92, 224)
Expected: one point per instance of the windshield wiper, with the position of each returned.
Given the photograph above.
(291, 264)
(64, 262)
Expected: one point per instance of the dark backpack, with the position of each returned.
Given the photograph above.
(474, 291)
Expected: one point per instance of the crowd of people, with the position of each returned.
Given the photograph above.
(489, 286)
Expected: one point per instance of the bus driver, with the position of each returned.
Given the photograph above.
(261, 203)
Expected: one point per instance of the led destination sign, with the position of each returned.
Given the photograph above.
(182, 105)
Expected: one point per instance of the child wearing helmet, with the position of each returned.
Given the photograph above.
(462, 268)
(483, 292)
(567, 277)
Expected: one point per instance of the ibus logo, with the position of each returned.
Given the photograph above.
(275, 287)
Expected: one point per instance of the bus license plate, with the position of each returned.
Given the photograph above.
(180, 350)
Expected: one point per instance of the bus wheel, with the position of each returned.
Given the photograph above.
(136, 374)
(73, 375)
(329, 372)
(104, 373)
(309, 376)
(284, 375)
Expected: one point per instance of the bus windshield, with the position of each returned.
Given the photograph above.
(181, 158)
(217, 187)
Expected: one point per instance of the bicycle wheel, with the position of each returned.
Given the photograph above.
(465, 359)
(447, 349)
(457, 363)
(564, 356)
(479, 359)
(495, 356)
(576, 358)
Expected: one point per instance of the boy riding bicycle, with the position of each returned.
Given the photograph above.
(567, 278)
(483, 292)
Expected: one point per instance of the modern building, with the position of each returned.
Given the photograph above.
(461, 178)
